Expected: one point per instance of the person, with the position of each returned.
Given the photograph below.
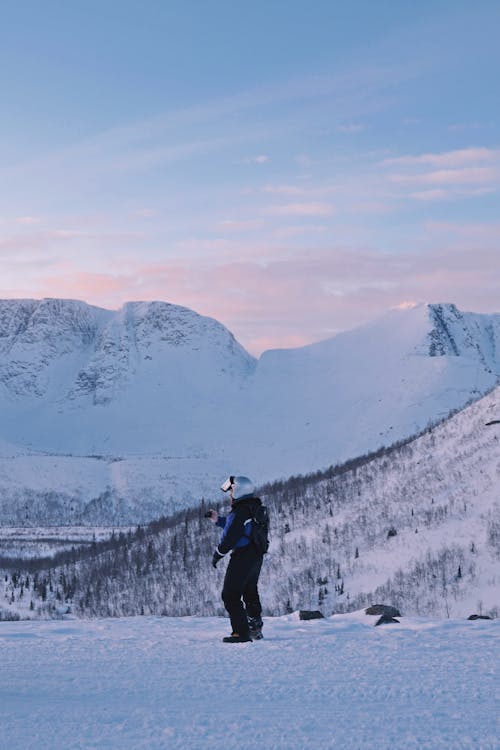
(243, 570)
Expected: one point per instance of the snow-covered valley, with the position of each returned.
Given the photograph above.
(338, 683)
(117, 417)
(415, 526)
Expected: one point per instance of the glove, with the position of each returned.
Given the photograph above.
(216, 558)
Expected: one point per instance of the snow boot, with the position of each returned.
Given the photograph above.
(235, 638)
(255, 625)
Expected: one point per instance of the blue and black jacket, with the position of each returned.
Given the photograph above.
(237, 526)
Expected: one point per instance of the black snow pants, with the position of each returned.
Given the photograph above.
(242, 576)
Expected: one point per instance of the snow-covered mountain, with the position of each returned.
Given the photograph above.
(78, 379)
(119, 416)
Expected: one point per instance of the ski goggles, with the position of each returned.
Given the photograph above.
(227, 484)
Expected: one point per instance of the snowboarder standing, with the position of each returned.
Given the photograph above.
(243, 570)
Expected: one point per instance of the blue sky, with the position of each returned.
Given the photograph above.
(293, 169)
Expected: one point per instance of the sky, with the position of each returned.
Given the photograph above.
(293, 169)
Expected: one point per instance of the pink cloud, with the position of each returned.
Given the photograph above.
(369, 207)
(461, 173)
(28, 220)
(452, 159)
(431, 195)
(467, 235)
(36, 241)
(146, 213)
(302, 298)
(284, 233)
(283, 189)
(239, 225)
(450, 194)
(271, 296)
(99, 288)
(469, 175)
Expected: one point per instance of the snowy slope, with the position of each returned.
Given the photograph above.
(373, 385)
(181, 404)
(166, 683)
(416, 526)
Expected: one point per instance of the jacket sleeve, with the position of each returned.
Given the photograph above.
(234, 530)
(221, 521)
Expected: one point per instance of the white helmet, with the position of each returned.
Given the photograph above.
(241, 486)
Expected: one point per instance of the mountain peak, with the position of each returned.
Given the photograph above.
(100, 350)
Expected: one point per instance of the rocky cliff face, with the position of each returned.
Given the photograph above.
(36, 335)
(459, 334)
(142, 335)
(65, 349)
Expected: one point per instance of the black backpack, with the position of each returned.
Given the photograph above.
(260, 528)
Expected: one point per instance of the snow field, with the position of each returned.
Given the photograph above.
(171, 683)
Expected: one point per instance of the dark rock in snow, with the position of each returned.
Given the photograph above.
(479, 617)
(307, 614)
(385, 620)
(383, 609)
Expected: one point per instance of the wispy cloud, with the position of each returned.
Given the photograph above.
(36, 241)
(452, 159)
(261, 159)
(283, 189)
(105, 289)
(146, 213)
(468, 172)
(351, 128)
(297, 230)
(466, 234)
(301, 209)
(464, 176)
(239, 225)
(28, 220)
(304, 160)
(239, 117)
(464, 126)
(438, 194)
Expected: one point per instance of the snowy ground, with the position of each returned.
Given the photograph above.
(170, 683)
